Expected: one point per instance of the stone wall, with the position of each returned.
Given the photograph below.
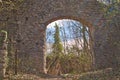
(3, 55)
(107, 44)
(33, 16)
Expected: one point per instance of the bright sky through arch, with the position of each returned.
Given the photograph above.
(69, 31)
(61, 23)
(65, 26)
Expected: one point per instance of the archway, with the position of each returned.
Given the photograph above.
(33, 22)
(29, 21)
(75, 39)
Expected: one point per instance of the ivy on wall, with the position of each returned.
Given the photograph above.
(111, 9)
(10, 4)
(3, 37)
(3, 50)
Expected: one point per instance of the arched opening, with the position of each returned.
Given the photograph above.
(68, 47)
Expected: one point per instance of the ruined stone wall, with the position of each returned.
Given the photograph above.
(107, 44)
(33, 16)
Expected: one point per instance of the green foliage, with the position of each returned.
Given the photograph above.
(10, 4)
(112, 9)
(3, 37)
(56, 53)
(57, 46)
(70, 63)
(5, 33)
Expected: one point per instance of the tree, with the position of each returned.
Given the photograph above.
(55, 65)
(57, 46)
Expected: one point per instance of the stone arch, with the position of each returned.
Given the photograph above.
(82, 21)
(32, 24)
(27, 26)
(31, 20)
(71, 18)
(78, 19)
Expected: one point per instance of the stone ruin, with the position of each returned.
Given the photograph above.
(28, 28)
